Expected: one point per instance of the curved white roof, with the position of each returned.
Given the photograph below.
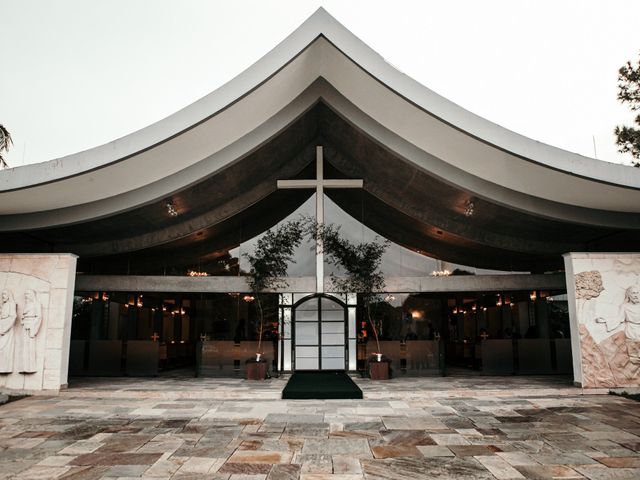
(321, 59)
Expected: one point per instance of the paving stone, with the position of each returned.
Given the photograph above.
(299, 431)
(435, 451)
(330, 476)
(38, 472)
(337, 446)
(473, 450)
(257, 456)
(314, 463)
(346, 465)
(479, 435)
(36, 434)
(56, 460)
(81, 447)
(374, 426)
(517, 458)
(85, 473)
(284, 472)
(548, 472)
(199, 465)
(563, 459)
(126, 471)
(392, 451)
(165, 466)
(620, 462)
(124, 443)
(499, 468)
(286, 418)
(449, 439)
(600, 472)
(435, 467)
(407, 437)
(116, 459)
(404, 423)
(245, 468)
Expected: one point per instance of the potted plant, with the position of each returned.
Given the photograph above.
(361, 265)
(268, 267)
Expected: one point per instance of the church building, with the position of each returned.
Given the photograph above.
(506, 255)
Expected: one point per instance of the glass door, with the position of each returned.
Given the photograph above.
(319, 334)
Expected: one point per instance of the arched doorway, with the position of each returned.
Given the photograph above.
(319, 333)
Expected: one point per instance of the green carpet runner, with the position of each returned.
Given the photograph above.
(321, 385)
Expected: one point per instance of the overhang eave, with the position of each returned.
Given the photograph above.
(320, 48)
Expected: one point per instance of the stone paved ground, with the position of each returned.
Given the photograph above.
(156, 431)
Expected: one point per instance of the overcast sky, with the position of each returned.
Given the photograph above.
(77, 74)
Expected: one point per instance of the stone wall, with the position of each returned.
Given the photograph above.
(604, 307)
(36, 303)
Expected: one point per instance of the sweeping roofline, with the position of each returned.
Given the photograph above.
(320, 24)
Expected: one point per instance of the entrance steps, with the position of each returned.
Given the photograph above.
(404, 388)
(472, 386)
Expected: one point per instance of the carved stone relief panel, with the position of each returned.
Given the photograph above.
(31, 321)
(36, 294)
(8, 315)
(605, 318)
(22, 346)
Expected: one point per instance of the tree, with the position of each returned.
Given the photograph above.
(361, 263)
(628, 138)
(273, 251)
(5, 143)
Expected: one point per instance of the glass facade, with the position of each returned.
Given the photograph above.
(493, 333)
(425, 333)
(173, 327)
(398, 261)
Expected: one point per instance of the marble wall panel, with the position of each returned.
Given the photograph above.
(604, 308)
(36, 300)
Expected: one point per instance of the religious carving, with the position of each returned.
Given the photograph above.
(34, 326)
(31, 321)
(8, 314)
(628, 316)
(608, 320)
(588, 285)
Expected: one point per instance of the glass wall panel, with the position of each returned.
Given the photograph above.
(329, 363)
(333, 351)
(306, 352)
(307, 333)
(496, 333)
(397, 260)
(304, 256)
(307, 315)
(333, 327)
(311, 363)
(333, 315)
(332, 338)
(118, 333)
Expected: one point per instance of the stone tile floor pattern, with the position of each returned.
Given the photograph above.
(133, 431)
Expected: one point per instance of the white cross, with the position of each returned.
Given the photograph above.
(320, 183)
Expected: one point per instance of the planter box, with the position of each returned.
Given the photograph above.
(225, 358)
(379, 370)
(256, 370)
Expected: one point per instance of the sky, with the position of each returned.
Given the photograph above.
(76, 74)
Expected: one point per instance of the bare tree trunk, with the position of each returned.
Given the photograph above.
(261, 317)
(373, 327)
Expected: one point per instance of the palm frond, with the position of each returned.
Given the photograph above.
(5, 138)
(5, 143)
